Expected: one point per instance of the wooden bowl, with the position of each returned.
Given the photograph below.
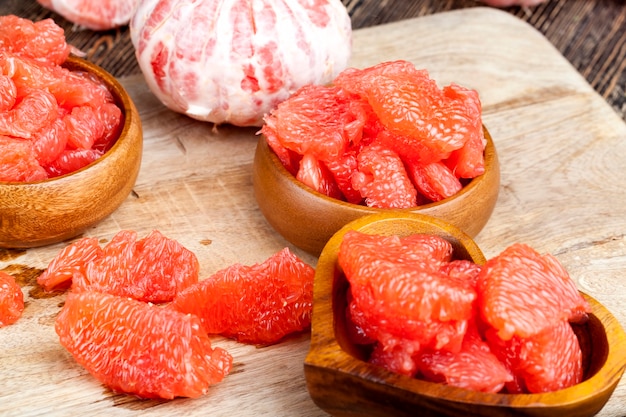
(308, 219)
(53, 210)
(343, 384)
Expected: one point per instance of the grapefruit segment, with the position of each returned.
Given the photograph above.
(11, 300)
(315, 174)
(474, 367)
(151, 269)
(43, 40)
(399, 296)
(154, 268)
(50, 142)
(548, 361)
(435, 181)
(8, 93)
(18, 161)
(71, 160)
(258, 304)
(72, 259)
(139, 348)
(316, 120)
(382, 179)
(523, 292)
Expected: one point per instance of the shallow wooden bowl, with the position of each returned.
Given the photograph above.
(308, 219)
(50, 211)
(342, 383)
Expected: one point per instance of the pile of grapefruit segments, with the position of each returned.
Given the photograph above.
(138, 318)
(500, 327)
(384, 136)
(53, 121)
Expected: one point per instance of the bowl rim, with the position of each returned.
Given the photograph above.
(601, 383)
(490, 157)
(121, 99)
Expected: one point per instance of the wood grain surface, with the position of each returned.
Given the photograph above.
(591, 34)
(561, 149)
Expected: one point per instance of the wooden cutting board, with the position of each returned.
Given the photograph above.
(563, 191)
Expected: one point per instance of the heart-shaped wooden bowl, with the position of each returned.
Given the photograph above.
(308, 219)
(53, 210)
(342, 383)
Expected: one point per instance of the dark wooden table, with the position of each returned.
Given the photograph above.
(591, 34)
